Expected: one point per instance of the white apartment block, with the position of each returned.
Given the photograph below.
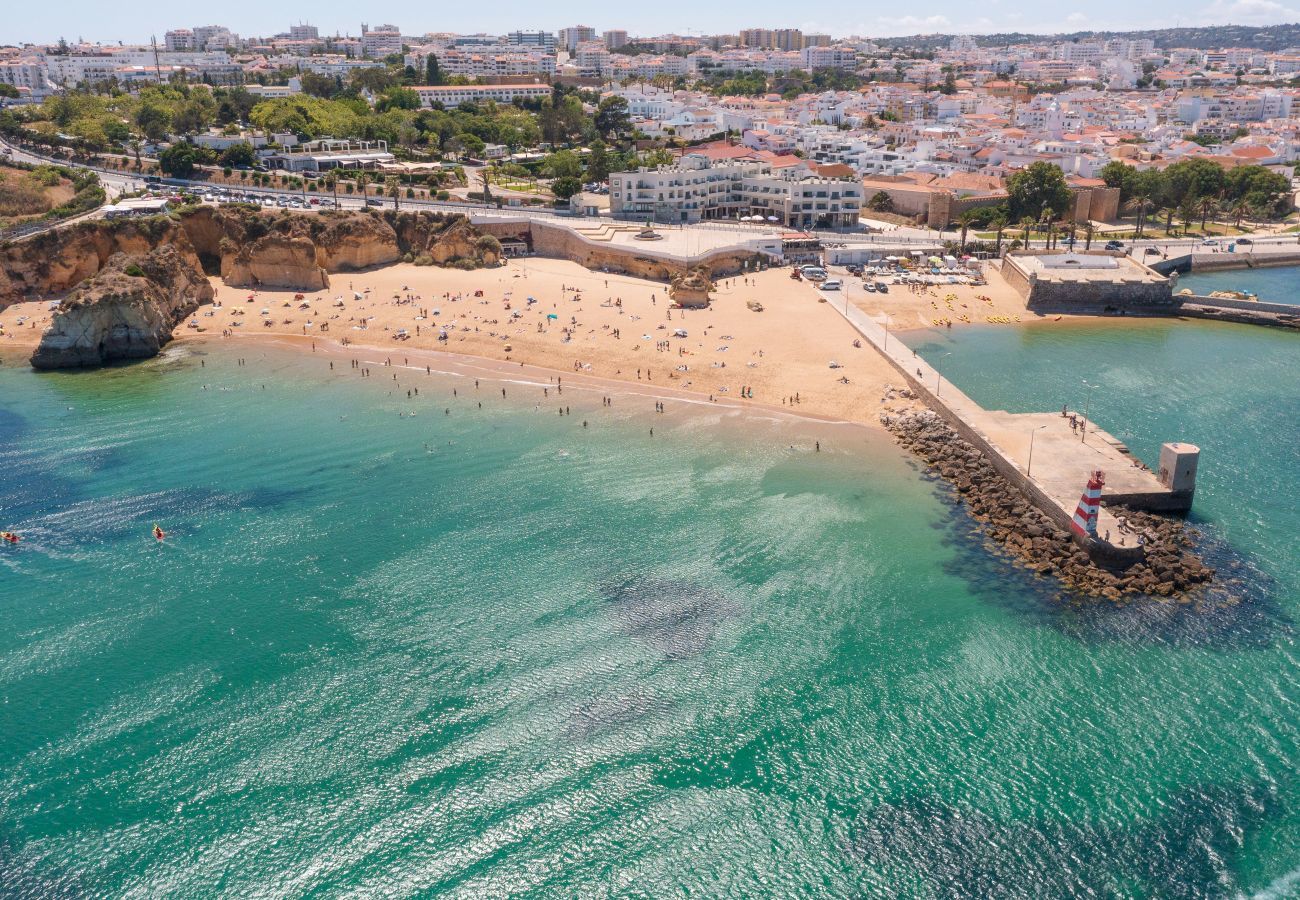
(484, 62)
(569, 38)
(26, 73)
(834, 57)
(700, 188)
(377, 43)
(452, 96)
(179, 39)
(75, 68)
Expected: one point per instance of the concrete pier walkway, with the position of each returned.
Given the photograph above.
(1062, 458)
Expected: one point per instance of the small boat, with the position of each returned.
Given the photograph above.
(158, 533)
(10, 537)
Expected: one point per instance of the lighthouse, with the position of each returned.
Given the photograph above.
(1084, 523)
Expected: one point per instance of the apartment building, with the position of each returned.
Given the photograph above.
(452, 96)
(377, 43)
(569, 38)
(729, 182)
(27, 74)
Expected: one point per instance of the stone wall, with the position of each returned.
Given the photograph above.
(563, 243)
(1045, 293)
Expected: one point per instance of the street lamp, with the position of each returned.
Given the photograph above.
(1030, 467)
(938, 376)
(1087, 404)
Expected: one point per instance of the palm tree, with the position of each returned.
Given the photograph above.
(394, 189)
(965, 220)
(362, 180)
(1027, 223)
(485, 176)
(331, 180)
(998, 224)
(1238, 211)
(1088, 229)
(1206, 205)
(136, 146)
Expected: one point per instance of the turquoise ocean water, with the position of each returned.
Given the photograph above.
(1277, 285)
(493, 653)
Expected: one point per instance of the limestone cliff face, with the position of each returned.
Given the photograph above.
(276, 260)
(59, 260)
(248, 247)
(445, 239)
(348, 242)
(125, 311)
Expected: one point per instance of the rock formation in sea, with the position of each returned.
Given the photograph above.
(126, 310)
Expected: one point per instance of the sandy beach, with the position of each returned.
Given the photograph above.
(585, 323)
(613, 328)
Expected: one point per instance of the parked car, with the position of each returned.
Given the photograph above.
(831, 284)
(1114, 245)
(1247, 241)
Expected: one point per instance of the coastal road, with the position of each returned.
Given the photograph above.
(902, 238)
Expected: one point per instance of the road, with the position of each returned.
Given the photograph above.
(902, 238)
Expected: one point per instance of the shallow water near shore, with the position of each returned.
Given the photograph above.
(497, 652)
(1279, 284)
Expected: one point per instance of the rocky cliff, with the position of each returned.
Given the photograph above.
(127, 310)
(247, 247)
(116, 314)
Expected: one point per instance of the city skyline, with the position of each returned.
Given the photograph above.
(95, 23)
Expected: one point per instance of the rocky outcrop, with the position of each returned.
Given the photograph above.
(247, 247)
(691, 288)
(59, 260)
(276, 260)
(127, 310)
(1019, 529)
(444, 240)
(346, 242)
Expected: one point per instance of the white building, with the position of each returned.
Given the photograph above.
(704, 187)
(452, 96)
(569, 38)
(377, 43)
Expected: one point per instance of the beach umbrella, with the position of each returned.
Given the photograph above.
(552, 316)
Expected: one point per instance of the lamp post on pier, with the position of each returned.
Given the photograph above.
(1029, 469)
(1087, 404)
(938, 376)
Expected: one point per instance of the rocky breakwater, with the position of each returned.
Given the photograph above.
(1019, 529)
(127, 310)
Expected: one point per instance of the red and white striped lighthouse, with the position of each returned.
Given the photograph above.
(1085, 514)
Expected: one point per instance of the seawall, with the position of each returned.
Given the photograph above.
(1060, 463)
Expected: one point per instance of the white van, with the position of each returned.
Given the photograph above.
(830, 284)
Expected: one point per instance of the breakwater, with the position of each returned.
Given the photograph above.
(1036, 540)
(1246, 312)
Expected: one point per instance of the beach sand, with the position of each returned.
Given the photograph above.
(779, 354)
(611, 328)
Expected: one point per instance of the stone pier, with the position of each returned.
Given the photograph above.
(1055, 477)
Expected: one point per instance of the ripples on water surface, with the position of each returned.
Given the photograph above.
(494, 654)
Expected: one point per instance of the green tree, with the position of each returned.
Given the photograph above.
(432, 71)
(598, 162)
(881, 202)
(394, 187)
(562, 164)
(565, 187)
(1037, 187)
(240, 154)
(612, 118)
(179, 159)
(1119, 175)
